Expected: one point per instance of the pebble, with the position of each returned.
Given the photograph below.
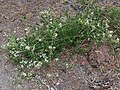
(2, 1)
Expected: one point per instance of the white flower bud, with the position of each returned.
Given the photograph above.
(111, 32)
(50, 47)
(27, 48)
(40, 40)
(56, 34)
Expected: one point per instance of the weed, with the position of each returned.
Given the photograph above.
(53, 36)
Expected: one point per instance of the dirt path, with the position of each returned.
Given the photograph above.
(12, 14)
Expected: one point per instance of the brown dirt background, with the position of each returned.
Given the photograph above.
(83, 75)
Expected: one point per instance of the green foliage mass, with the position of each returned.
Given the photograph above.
(53, 36)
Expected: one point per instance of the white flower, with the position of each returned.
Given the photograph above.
(4, 46)
(44, 55)
(12, 52)
(56, 29)
(45, 12)
(98, 34)
(22, 66)
(23, 44)
(49, 75)
(57, 83)
(23, 62)
(56, 74)
(41, 24)
(110, 35)
(18, 39)
(51, 22)
(30, 74)
(56, 34)
(46, 60)
(27, 48)
(21, 38)
(8, 44)
(56, 59)
(24, 74)
(15, 55)
(26, 29)
(67, 65)
(54, 47)
(14, 31)
(60, 24)
(50, 19)
(40, 40)
(103, 34)
(36, 28)
(63, 19)
(52, 88)
(98, 24)
(88, 38)
(17, 52)
(93, 27)
(92, 13)
(107, 25)
(50, 47)
(111, 32)
(30, 64)
(40, 56)
(79, 19)
(35, 62)
(117, 39)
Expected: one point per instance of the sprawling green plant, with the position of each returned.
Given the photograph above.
(52, 36)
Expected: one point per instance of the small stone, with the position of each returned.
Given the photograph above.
(57, 83)
(52, 88)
